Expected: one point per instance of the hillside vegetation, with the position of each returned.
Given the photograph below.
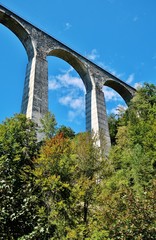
(65, 188)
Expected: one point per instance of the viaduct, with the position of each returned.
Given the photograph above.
(38, 46)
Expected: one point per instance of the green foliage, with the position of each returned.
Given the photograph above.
(66, 131)
(67, 189)
(113, 125)
(67, 172)
(54, 169)
(48, 125)
(18, 148)
(132, 184)
(135, 151)
(127, 216)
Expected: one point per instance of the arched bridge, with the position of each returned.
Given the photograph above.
(38, 46)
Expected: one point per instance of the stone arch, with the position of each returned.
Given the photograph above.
(19, 30)
(122, 89)
(75, 62)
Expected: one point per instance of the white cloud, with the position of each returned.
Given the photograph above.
(53, 84)
(130, 78)
(67, 26)
(137, 85)
(110, 95)
(93, 55)
(66, 79)
(119, 109)
(72, 101)
(74, 115)
(65, 100)
(72, 93)
(76, 105)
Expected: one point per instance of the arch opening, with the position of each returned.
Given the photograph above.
(66, 94)
(75, 62)
(9, 21)
(114, 101)
(13, 59)
(120, 89)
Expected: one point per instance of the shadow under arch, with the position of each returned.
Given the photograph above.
(19, 30)
(120, 89)
(76, 63)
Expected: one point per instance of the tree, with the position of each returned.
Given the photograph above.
(54, 169)
(127, 216)
(48, 125)
(18, 148)
(129, 194)
(68, 172)
(69, 190)
(135, 151)
(113, 124)
(67, 131)
(91, 168)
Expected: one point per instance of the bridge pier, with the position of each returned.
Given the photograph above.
(96, 116)
(35, 95)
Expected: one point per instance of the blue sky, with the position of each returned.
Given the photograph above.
(118, 35)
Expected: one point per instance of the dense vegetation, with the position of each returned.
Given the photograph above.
(65, 188)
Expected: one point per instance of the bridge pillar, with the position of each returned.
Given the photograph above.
(96, 117)
(35, 95)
